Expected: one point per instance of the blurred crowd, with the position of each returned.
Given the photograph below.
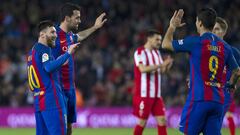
(104, 62)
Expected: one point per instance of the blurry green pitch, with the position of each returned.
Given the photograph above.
(97, 131)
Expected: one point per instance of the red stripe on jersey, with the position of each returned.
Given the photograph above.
(192, 83)
(205, 56)
(137, 76)
(155, 76)
(65, 68)
(220, 71)
(42, 87)
(148, 75)
(57, 104)
(160, 62)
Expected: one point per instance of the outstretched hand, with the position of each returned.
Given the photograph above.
(176, 20)
(100, 21)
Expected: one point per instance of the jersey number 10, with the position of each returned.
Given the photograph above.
(31, 77)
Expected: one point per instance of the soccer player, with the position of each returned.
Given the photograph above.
(69, 21)
(50, 111)
(220, 29)
(209, 54)
(148, 66)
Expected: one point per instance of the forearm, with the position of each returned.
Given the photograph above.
(235, 77)
(147, 69)
(168, 38)
(166, 68)
(85, 33)
(163, 69)
(55, 64)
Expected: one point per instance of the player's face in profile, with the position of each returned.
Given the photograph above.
(74, 20)
(51, 36)
(218, 30)
(156, 41)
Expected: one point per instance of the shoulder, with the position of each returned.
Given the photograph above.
(191, 38)
(139, 50)
(235, 49)
(236, 52)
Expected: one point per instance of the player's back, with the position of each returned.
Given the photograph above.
(207, 60)
(45, 85)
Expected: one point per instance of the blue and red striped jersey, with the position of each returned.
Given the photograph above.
(66, 72)
(227, 72)
(43, 77)
(208, 56)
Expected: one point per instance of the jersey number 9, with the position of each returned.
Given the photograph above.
(213, 66)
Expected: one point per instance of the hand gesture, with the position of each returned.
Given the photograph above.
(176, 19)
(100, 21)
(168, 61)
(72, 48)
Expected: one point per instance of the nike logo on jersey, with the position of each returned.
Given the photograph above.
(62, 41)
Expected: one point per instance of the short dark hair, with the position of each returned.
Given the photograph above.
(208, 17)
(44, 24)
(152, 32)
(222, 22)
(67, 10)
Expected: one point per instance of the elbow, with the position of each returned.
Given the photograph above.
(47, 69)
(164, 45)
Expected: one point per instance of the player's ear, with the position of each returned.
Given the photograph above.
(41, 34)
(67, 18)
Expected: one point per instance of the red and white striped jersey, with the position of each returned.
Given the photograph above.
(147, 84)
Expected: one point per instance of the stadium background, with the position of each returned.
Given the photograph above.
(104, 63)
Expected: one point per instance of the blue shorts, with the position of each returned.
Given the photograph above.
(70, 97)
(200, 117)
(51, 122)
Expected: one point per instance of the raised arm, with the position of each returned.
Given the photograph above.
(98, 24)
(174, 23)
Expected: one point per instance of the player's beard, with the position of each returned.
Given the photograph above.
(51, 41)
(157, 46)
(73, 27)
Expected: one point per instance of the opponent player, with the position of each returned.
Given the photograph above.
(69, 21)
(50, 111)
(220, 29)
(208, 56)
(148, 66)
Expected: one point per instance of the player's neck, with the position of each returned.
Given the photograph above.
(148, 46)
(63, 26)
(202, 31)
(42, 41)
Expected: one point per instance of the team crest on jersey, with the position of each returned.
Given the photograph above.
(139, 57)
(141, 107)
(180, 42)
(64, 48)
(45, 57)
